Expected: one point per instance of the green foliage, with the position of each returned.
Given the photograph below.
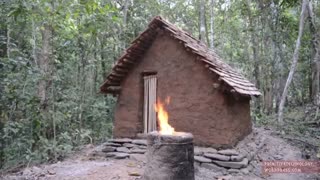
(76, 114)
(87, 37)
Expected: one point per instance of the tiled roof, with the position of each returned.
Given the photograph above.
(234, 81)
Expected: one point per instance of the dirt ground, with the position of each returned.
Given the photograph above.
(261, 144)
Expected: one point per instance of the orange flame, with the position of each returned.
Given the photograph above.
(163, 117)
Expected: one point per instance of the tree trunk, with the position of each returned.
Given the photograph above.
(124, 24)
(294, 61)
(268, 97)
(202, 28)
(45, 66)
(211, 24)
(315, 62)
(103, 64)
(8, 40)
(4, 46)
(281, 80)
(277, 69)
(34, 38)
(82, 84)
(254, 45)
(125, 12)
(95, 69)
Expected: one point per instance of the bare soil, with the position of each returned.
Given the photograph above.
(261, 145)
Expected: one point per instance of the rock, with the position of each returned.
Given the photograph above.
(217, 157)
(250, 168)
(110, 154)
(202, 150)
(245, 171)
(202, 159)
(108, 149)
(134, 174)
(27, 172)
(225, 172)
(122, 140)
(138, 151)
(234, 165)
(140, 142)
(229, 152)
(277, 157)
(143, 147)
(128, 145)
(123, 149)
(216, 175)
(228, 177)
(97, 154)
(13, 177)
(197, 151)
(212, 167)
(233, 171)
(121, 155)
(131, 164)
(36, 170)
(112, 144)
(250, 156)
(237, 158)
(209, 150)
(51, 172)
(138, 157)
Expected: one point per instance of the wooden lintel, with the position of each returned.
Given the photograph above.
(149, 72)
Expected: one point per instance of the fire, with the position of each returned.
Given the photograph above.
(163, 117)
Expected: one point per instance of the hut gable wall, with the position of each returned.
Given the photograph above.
(213, 117)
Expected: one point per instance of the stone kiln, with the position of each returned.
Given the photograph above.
(169, 156)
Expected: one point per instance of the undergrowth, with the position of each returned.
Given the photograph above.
(301, 127)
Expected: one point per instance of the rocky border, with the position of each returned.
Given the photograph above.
(225, 161)
(122, 148)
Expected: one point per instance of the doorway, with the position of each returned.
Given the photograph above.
(150, 98)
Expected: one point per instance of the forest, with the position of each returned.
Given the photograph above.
(55, 54)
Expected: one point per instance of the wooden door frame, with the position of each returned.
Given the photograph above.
(147, 127)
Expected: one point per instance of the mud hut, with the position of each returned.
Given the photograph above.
(208, 97)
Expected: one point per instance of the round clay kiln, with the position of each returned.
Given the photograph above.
(169, 156)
